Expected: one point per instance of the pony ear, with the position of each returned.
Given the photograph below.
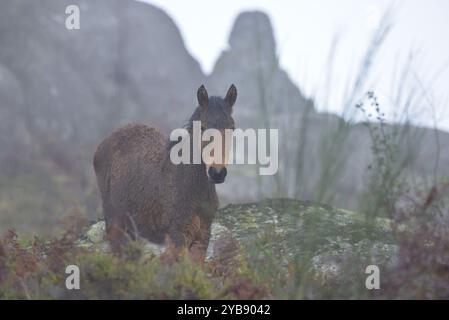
(231, 96)
(203, 97)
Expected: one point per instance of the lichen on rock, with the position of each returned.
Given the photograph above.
(290, 230)
(95, 238)
(327, 238)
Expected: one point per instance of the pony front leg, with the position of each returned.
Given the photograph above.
(193, 237)
(178, 239)
(200, 243)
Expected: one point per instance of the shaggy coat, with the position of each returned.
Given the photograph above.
(145, 195)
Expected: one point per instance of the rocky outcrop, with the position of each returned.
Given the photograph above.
(126, 63)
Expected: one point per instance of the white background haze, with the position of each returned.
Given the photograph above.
(305, 31)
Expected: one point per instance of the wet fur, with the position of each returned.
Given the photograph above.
(145, 195)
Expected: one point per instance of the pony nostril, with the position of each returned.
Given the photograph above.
(223, 172)
(211, 172)
(217, 174)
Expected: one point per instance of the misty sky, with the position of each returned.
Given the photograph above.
(305, 31)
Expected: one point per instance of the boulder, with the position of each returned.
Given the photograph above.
(290, 230)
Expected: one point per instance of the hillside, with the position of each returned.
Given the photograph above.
(62, 91)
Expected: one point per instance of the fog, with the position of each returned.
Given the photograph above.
(351, 96)
(306, 30)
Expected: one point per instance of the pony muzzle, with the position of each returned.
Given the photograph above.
(217, 174)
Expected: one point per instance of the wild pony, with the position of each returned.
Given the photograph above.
(145, 195)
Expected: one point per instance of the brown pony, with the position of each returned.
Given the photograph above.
(145, 195)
